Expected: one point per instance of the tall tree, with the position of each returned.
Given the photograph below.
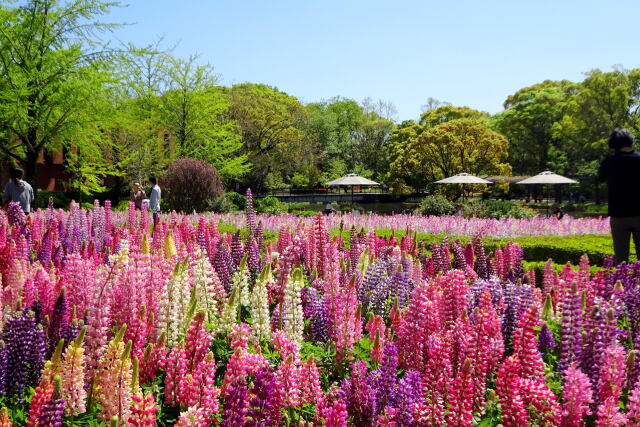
(424, 153)
(194, 110)
(271, 123)
(50, 75)
(528, 122)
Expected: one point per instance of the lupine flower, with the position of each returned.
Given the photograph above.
(263, 406)
(407, 396)
(461, 398)
(577, 396)
(114, 392)
(235, 405)
(5, 421)
(51, 414)
(193, 417)
(293, 318)
(73, 369)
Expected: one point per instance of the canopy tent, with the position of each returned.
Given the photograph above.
(352, 180)
(463, 178)
(547, 178)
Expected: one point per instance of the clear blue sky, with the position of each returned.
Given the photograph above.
(469, 52)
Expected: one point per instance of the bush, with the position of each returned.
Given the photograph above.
(236, 199)
(496, 209)
(435, 205)
(269, 205)
(190, 185)
(61, 199)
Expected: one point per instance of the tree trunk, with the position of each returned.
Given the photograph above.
(31, 168)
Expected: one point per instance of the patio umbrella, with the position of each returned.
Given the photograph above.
(352, 180)
(548, 178)
(463, 178)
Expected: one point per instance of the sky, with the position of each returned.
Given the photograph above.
(467, 52)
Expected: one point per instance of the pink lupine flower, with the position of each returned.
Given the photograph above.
(310, 388)
(525, 344)
(633, 407)
(40, 397)
(542, 404)
(114, 391)
(461, 398)
(609, 414)
(193, 417)
(143, 410)
(197, 341)
(73, 378)
(388, 417)
(612, 373)
(514, 412)
(577, 396)
(376, 328)
(336, 414)
(176, 369)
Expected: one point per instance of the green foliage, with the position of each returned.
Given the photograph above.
(435, 205)
(60, 199)
(238, 200)
(496, 209)
(269, 205)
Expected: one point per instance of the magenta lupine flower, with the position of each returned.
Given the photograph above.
(514, 412)
(461, 398)
(250, 213)
(612, 373)
(609, 414)
(577, 396)
(336, 415)
(376, 329)
(310, 389)
(525, 345)
(633, 407)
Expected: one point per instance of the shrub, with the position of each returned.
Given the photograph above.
(496, 209)
(61, 199)
(238, 200)
(190, 185)
(435, 205)
(269, 205)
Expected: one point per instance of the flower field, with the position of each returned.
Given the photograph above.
(107, 323)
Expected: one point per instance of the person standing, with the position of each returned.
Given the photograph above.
(19, 191)
(621, 172)
(137, 195)
(154, 198)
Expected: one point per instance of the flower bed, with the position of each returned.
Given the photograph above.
(104, 321)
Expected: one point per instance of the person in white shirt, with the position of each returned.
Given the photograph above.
(154, 198)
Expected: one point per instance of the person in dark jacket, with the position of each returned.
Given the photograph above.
(621, 172)
(18, 191)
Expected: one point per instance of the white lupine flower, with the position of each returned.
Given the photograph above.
(208, 289)
(293, 317)
(229, 314)
(174, 304)
(240, 280)
(260, 305)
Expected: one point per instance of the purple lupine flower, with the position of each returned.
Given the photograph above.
(53, 410)
(608, 262)
(235, 405)
(15, 214)
(359, 396)
(251, 214)
(459, 259)
(602, 332)
(25, 348)
(481, 258)
(237, 249)
(320, 322)
(383, 380)
(263, 403)
(44, 254)
(59, 322)
(259, 235)
(571, 327)
(223, 264)
(545, 339)
(409, 393)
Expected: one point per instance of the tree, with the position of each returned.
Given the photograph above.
(528, 121)
(424, 154)
(194, 111)
(271, 123)
(50, 76)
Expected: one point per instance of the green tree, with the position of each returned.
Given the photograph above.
(528, 121)
(424, 154)
(194, 112)
(271, 124)
(50, 77)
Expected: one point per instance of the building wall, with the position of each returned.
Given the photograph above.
(51, 172)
